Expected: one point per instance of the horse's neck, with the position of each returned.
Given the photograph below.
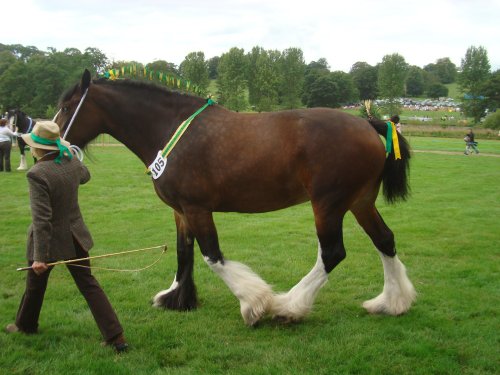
(22, 122)
(146, 134)
(26, 122)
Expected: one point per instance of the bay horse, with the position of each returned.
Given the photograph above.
(252, 163)
(22, 124)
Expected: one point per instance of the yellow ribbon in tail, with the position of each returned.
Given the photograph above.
(392, 140)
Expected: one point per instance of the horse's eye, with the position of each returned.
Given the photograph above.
(65, 109)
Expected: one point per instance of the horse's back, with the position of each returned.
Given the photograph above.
(340, 139)
(322, 137)
(261, 162)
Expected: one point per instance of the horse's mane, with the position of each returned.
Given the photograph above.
(132, 84)
(68, 94)
(16, 111)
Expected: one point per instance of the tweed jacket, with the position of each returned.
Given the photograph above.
(56, 216)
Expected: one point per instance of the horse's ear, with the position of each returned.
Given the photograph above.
(85, 80)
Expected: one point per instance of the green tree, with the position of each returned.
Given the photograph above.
(415, 84)
(330, 89)
(163, 66)
(6, 59)
(392, 74)
(313, 71)
(443, 69)
(491, 91)
(292, 68)
(213, 64)
(347, 91)
(232, 83)
(365, 78)
(263, 78)
(324, 92)
(32, 80)
(475, 71)
(320, 65)
(22, 53)
(430, 79)
(492, 121)
(70, 63)
(252, 58)
(49, 81)
(195, 69)
(16, 88)
(437, 90)
(95, 60)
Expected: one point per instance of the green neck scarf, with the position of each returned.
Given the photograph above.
(63, 150)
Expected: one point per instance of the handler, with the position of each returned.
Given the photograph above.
(6, 136)
(58, 232)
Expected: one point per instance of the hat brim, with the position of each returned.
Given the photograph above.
(30, 142)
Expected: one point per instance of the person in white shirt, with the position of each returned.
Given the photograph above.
(6, 136)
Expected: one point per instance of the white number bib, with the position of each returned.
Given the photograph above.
(158, 165)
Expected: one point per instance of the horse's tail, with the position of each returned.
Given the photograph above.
(396, 171)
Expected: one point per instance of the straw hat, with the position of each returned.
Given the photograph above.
(45, 135)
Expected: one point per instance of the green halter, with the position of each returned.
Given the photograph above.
(62, 148)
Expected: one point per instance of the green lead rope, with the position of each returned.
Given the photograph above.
(182, 128)
(180, 131)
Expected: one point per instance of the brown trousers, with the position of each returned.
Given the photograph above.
(5, 148)
(31, 303)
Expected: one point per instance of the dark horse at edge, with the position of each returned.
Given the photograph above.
(22, 124)
(251, 163)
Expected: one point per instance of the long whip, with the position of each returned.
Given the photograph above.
(96, 257)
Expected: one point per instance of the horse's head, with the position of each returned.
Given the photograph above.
(78, 117)
(12, 115)
(17, 118)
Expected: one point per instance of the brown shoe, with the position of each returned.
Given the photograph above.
(11, 328)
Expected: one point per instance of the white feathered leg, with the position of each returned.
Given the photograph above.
(255, 294)
(22, 164)
(398, 293)
(297, 303)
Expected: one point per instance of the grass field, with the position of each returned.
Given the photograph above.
(447, 235)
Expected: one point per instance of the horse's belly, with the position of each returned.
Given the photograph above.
(261, 198)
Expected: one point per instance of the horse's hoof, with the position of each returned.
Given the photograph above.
(175, 299)
(251, 316)
(383, 304)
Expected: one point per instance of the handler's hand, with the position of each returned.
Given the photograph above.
(39, 267)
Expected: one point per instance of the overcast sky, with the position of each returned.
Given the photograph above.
(343, 32)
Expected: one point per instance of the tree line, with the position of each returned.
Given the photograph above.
(258, 80)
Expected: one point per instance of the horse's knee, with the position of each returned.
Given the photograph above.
(211, 251)
(329, 215)
(332, 255)
(386, 244)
